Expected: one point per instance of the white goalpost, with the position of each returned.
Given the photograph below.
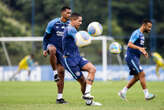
(103, 39)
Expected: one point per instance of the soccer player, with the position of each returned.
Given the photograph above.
(74, 63)
(25, 64)
(135, 49)
(52, 45)
(159, 62)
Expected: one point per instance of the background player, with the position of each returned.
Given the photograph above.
(74, 63)
(159, 62)
(135, 48)
(52, 44)
(25, 64)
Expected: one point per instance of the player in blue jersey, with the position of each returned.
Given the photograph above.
(74, 63)
(52, 45)
(135, 49)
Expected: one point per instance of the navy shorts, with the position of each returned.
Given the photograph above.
(133, 63)
(74, 65)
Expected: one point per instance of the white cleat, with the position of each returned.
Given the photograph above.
(96, 103)
(150, 96)
(92, 103)
(122, 95)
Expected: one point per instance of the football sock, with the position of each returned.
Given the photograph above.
(125, 89)
(59, 96)
(146, 93)
(88, 88)
(55, 72)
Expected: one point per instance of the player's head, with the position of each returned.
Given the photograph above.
(66, 12)
(76, 20)
(147, 25)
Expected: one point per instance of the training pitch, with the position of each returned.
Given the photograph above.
(42, 96)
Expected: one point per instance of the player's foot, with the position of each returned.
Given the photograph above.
(92, 103)
(61, 101)
(56, 78)
(122, 95)
(150, 96)
(87, 96)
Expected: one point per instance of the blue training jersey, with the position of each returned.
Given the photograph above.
(137, 38)
(54, 33)
(69, 43)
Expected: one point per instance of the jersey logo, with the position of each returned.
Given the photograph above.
(62, 27)
(58, 33)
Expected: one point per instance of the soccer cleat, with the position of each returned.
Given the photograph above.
(92, 103)
(56, 78)
(122, 95)
(61, 101)
(150, 96)
(87, 96)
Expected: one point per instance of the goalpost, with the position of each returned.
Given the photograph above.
(103, 39)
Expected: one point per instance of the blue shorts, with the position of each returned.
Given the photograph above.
(74, 65)
(133, 63)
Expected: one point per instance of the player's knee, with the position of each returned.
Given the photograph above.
(52, 51)
(142, 74)
(93, 69)
(136, 77)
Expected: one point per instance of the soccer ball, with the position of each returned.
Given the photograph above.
(82, 39)
(115, 48)
(95, 29)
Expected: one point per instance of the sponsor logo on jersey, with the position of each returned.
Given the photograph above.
(59, 33)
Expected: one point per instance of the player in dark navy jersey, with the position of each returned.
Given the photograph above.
(52, 44)
(74, 63)
(135, 49)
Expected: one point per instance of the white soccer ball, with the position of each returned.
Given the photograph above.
(82, 39)
(95, 29)
(115, 48)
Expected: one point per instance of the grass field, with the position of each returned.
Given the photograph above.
(42, 96)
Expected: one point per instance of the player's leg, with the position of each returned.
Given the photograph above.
(53, 60)
(148, 96)
(28, 73)
(132, 81)
(82, 82)
(157, 71)
(90, 68)
(123, 92)
(13, 76)
(60, 84)
(133, 65)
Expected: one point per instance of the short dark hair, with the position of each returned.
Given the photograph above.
(145, 21)
(64, 8)
(75, 15)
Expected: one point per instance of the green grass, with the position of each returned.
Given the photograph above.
(42, 96)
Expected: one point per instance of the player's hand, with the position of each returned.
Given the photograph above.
(144, 52)
(45, 53)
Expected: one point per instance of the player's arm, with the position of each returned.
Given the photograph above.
(45, 43)
(46, 37)
(72, 32)
(131, 44)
